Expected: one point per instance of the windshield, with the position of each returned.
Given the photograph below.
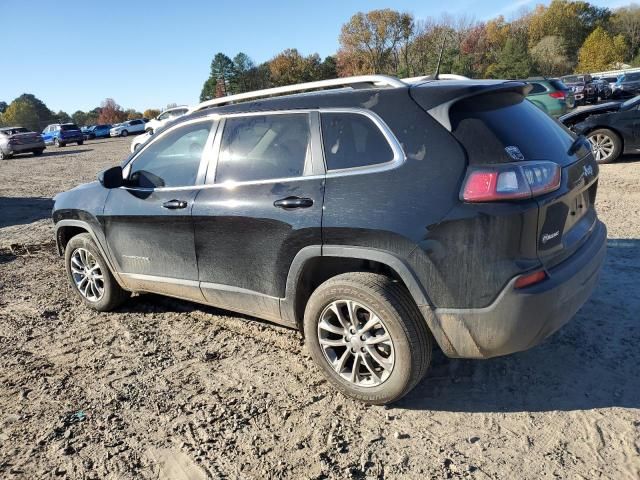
(69, 126)
(632, 102)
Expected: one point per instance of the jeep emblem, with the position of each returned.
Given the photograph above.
(514, 152)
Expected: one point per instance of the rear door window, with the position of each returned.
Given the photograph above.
(353, 140)
(264, 147)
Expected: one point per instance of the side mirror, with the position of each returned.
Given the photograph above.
(111, 177)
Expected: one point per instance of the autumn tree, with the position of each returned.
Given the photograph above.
(111, 112)
(570, 20)
(151, 113)
(290, 67)
(626, 21)
(22, 114)
(132, 114)
(600, 51)
(550, 56)
(372, 42)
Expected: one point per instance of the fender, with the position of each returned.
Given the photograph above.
(287, 304)
(97, 237)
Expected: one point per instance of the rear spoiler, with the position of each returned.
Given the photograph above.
(437, 99)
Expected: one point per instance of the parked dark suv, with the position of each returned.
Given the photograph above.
(375, 218)
(584, 89)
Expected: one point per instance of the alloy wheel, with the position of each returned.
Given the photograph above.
(87, 275)
(356, 343)
(601, 146)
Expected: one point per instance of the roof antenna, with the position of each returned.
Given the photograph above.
(444, 42)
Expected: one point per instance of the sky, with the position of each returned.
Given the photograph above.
(147, 54)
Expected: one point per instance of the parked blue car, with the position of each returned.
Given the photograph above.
(96, 131)
(62, 133)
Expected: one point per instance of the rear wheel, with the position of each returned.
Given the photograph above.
(368, 336)
(38, 152)
(80, 142)
(606, 145)
(89, 275)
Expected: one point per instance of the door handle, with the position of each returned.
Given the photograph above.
(293, 202)
(174, 204)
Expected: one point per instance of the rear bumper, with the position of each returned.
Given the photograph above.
(520, 319)
(26, 147)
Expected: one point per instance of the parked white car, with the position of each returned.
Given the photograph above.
(139, 140)
(165, 117)
(128, 127)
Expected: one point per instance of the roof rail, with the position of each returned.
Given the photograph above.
(442, 76)
(355, 82)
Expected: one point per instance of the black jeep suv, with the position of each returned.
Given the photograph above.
(375, 218)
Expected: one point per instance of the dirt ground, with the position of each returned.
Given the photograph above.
(171, 390)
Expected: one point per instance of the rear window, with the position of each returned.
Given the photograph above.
(487, 125)
(13, 131)
(558, 85)
(353, 140)
(70, 126)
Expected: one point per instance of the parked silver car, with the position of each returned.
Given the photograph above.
(15, 140)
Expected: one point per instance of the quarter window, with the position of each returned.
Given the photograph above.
(263, 147)
(537, 88)
(353, 140)
(173, 159)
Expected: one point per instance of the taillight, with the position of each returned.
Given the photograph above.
(530, 279)
(557, 94)
(510, 181)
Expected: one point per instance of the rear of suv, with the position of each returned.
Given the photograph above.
(61, 134)
(376, 218)
(551, 96)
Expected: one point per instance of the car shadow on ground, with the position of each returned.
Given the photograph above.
(24, 210)
(65, 151)
(590, 363)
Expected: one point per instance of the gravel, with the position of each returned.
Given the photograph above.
(173, 390)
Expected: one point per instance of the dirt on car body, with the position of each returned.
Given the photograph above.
(168, 389)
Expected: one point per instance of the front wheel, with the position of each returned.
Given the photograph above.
(124, 133)
(81, 142)
(89, 275)
(38, 152)
(606, 145)
(4, 156)
(367, 335)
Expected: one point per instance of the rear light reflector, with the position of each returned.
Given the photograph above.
(530, 279)
(510, 181)
(557, 94)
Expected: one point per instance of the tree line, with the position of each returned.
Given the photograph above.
(29, 111)
(562, 38)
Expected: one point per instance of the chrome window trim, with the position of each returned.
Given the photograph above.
(398, 159)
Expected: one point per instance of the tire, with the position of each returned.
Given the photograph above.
(37, 153)
(149, 131)
(57, 143)
(80, 142)
(409, 347)
(610, 145)
(4, 156)
(124, 133)
(112, 295)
